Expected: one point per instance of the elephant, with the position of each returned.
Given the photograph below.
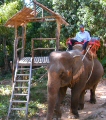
(67, 70)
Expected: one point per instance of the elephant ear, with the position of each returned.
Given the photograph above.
(78, 67)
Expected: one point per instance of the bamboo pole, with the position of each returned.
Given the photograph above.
(14, 58)
(23, 40)
(32, 51)
(58, 34)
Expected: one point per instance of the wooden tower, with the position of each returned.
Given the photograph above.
(22, 66)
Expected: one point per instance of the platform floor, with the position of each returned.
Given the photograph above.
(38, 61)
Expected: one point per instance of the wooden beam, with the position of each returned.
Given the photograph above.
(52, 12)
(43, 38)
(44, 49)
(58, 34)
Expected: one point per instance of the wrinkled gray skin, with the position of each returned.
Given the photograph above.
(64, 69)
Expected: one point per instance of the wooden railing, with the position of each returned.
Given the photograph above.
(17, 48)
(39, 48)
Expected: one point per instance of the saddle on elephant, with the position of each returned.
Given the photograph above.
(94, 45)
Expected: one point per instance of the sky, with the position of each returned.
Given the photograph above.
(27, 1)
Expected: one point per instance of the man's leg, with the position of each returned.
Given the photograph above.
(69, 46)
(84, 47)
(72, 42)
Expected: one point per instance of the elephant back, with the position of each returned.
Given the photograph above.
(77, 46)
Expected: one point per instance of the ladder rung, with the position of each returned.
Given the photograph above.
(20, 94)
(18, 108)
(21, 87)
(18, 101)
(21, 80)
(23, 68)
(23, 74)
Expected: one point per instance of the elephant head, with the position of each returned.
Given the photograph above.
(64, 69)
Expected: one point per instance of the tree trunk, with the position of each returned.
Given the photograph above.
(5, 55)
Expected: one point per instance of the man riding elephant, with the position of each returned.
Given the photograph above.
(82, 36)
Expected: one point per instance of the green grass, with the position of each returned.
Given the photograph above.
(38, 97)
(5, 92)
(5, 76)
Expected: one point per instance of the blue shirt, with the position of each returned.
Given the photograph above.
(80, 36)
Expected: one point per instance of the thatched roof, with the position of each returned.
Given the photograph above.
(21, 18)
(28, 15)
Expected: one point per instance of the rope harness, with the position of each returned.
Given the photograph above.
(93, 47)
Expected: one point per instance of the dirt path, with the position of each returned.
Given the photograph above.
(91, 111)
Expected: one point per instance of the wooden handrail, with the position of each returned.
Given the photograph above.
(44, 49)
(35, 49)
(43, 38)
(19, 49)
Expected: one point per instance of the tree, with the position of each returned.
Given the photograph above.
(6, 34)
(91, 13)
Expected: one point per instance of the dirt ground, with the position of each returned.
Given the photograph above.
(91, 111)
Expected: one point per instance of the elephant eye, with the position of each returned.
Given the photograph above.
(62, 74)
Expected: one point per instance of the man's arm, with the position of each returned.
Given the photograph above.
(88, 36)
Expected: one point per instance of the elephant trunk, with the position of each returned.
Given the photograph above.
(52, 97)
(53, 89)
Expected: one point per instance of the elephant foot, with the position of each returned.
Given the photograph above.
(56, 119)
(81, 106)
(74, 115)
(93, 101)
(57, 114)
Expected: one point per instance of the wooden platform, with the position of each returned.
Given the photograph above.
(38, 61)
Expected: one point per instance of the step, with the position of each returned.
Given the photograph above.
(18, 108)
(21, 80)
(21, 87)
(23, 74)
(18, 101)
(17, 94)
(23, 68)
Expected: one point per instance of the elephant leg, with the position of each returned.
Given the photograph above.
(74, 103)
(92, 94)
(61, 95)
(81, 100)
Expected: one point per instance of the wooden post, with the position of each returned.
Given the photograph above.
(23, 40)
(14, 57)
(24, 36)
(32, 51)
(35, 13)
(58, 34)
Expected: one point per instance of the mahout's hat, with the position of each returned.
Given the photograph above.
(81, 26)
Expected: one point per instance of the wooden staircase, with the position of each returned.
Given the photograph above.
(20, 90)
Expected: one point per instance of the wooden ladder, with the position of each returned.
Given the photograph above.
(20, 91)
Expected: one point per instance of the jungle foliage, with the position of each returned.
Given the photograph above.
(91, 13)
